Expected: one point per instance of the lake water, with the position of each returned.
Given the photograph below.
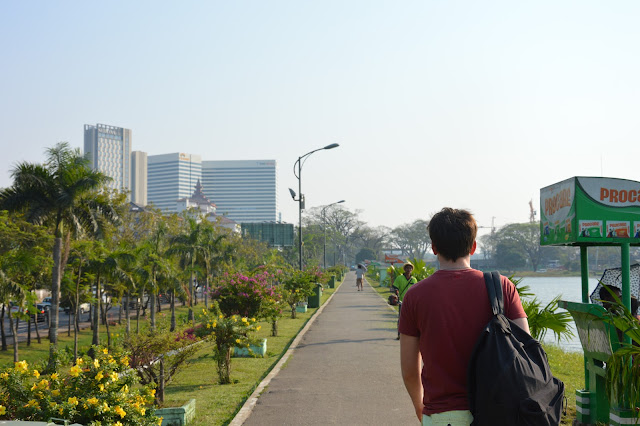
(546, 288)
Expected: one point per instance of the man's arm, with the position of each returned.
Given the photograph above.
(410, 364)
(522, 323)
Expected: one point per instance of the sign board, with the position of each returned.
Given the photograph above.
(392, 258)
(590, 211)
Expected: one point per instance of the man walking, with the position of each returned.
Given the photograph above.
(441, 319)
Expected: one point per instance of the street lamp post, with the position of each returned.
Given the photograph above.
(324, 231)
(300, 199)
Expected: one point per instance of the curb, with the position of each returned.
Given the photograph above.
(247, 407)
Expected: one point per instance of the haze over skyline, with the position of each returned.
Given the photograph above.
(466, 104)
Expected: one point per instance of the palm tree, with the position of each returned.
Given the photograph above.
(187, 245)
(209, 253)
(63, 193)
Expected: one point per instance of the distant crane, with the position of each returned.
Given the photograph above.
(532, 212)
(493, 227)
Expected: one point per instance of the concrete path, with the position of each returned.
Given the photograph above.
(345, 371)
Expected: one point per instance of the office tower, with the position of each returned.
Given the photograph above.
(243, 190)
(171, 177)
(109, 151)
(139, 178)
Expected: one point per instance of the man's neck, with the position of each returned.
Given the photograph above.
(460, 263)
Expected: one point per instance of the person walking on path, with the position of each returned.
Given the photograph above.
(441, 320)
(360, 271)
(402, 284)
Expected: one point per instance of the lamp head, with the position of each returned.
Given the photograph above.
(341, 201)
(333, 145)
(293, 193)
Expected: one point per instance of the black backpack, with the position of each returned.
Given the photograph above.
(509, 378)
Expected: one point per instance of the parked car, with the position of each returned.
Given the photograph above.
(41, 311)
(84, 307)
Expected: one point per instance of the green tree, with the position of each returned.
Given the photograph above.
(525, 237)
(509, 255)
(365, 254)
(61, 192)
(412, 239)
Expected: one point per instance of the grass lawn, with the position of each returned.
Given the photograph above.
(566, 366)
(217, 404)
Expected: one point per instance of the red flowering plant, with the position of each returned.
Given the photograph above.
(238, 294)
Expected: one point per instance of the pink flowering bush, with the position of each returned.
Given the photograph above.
(238, 294)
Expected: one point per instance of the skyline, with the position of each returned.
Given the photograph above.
(434, 104)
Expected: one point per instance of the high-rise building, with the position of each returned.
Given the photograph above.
(139, 177)
(171, 177)
(243, 190)
(109, 151)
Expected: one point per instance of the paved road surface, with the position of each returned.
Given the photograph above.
(345, 371)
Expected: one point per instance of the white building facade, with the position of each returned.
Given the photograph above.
(139, 177)
(171, 177)
(242, 190)
(109, 151)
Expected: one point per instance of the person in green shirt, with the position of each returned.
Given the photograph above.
(402, 284)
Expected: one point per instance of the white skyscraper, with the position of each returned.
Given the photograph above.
(171, 177)
(139, 178)
(109, 151)
(243, 190)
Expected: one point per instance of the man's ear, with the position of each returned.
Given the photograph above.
(434, 249)
(473, 248)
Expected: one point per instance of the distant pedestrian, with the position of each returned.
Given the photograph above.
(360, 271)
(401, 284)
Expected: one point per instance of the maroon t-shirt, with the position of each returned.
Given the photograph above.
(448, 311)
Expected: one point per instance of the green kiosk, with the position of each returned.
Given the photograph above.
(587, 212)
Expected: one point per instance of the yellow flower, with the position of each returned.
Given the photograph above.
(36, 373)
(21, 366)
(105, 406)
(258, 328)
(160, 421)
(75, 371)
(33, 403)
(215, 324)
(55, 392)
(101, 387)
(221, 316)
(125, 389)
(93, 401)
(73, 400)
(124, 360)
(54, 376)
(208, 325)
(60, 410)
(238, 341)
(152, 392)
(253, 320)
(105, 350)
(111, 360)
(117, 424)
(96, 363)
(44, 383)
(118, 410)
(3, 410)
(4, 376)
(34, 387)
(114, 376)
(244, 319)
(143, 410)
(79, 361)
(99, 376)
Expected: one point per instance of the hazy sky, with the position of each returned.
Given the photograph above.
(474, 104)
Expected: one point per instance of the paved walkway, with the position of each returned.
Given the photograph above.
(345, 370)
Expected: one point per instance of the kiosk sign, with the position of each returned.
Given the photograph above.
(590, 210)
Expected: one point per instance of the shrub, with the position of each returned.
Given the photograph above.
(94, 391)
(238, 294)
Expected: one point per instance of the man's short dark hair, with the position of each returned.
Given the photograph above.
(453, 232)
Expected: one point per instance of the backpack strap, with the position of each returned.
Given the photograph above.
(494, 290)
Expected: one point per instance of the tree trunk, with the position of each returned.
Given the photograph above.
(35, 324)
(29, 331)
(152, 308)
(173, 311)
(274, 328)
(3, 333)
(191, 317)
(106, 323)
(56, 273)
(138, 317)
(128, 313)
(69, 322)
(14, 332)
(159, 303)
(205, 291)
(96, 315)
(160, 395)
